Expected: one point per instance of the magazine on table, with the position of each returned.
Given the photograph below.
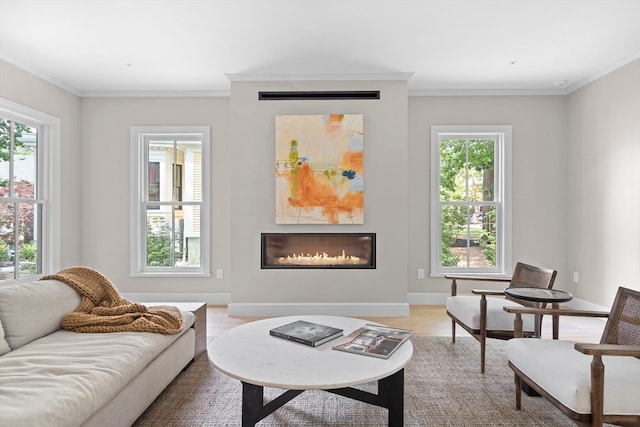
(374, 340)
(307, 333)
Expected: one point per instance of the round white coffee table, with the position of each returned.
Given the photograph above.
(249, 354)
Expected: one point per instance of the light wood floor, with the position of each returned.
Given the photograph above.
(426, 320)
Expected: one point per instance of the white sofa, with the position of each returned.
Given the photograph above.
(53, 377)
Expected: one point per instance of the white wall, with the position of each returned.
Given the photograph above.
(576, 184)
(604, 185)
(23, 88)
(105, 188)
(539, 183)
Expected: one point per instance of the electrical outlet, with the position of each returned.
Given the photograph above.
(219, 273)
(421, 273)
(576, 277)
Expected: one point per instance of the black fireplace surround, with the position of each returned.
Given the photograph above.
(318, 251)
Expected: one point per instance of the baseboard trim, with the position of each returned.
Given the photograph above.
(427, 298)
(338, 309)
(210, 299)
(580, 304)
(331, 309)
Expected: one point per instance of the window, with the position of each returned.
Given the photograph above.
(170, 201)
(29, 187)
(471, 200)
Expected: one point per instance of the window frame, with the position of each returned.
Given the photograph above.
(502, 196)
(138, 220)
(48, 181)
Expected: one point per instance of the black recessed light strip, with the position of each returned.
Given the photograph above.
(322, 95)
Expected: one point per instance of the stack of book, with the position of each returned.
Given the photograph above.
(307, 333)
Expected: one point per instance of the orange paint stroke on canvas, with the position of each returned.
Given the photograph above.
(311, 192)
(319, 169)
(353, 160)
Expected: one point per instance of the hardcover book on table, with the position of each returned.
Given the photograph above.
(307, 333)
(374, 340)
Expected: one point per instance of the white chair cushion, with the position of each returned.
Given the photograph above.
(466, 308)
(565, 373)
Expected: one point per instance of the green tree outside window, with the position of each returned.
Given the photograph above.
(466, 197)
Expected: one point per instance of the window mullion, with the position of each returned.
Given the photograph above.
(467, 200)
(173, 231)
(144, 171)
(11, 163)
(16, 234)
(174, 162)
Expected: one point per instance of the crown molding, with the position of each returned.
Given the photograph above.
(328, 77)
(487, 92)
(269, 77)
(604, 71)
(157, 94)
(26, 67)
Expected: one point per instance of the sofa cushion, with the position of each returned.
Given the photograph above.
(466, 308)
(60, 380)
(31, 310)
(4, 345)
(566, 374)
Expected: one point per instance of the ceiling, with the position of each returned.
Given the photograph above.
(102, 47)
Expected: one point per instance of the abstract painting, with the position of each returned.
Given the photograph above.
(319, 169)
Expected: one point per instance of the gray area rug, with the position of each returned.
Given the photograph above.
(443, 387)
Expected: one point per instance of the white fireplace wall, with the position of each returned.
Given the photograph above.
(379, 291)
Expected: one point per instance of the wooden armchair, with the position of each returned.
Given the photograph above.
(578, 385)
(484, 317)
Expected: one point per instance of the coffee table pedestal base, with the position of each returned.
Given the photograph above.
(390, 396)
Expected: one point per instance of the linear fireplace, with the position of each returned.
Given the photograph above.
(318, 250)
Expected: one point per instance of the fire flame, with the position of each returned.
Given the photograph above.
(319, 259)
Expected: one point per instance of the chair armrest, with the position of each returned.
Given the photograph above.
(454, 281)
(486, 292)
(608, 349)
(478, 279)
(555, 311)
(597, 369)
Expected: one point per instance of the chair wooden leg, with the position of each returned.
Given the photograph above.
(483, 330)
(453, 332)
(483, 339)
(518, 392)
(555, 322)
(597, 390)
(454, 292)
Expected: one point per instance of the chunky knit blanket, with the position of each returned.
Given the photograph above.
(103, 309)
